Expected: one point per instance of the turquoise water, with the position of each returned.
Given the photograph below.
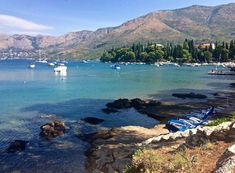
(27, 95)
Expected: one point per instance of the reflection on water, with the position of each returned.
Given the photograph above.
(62, 73)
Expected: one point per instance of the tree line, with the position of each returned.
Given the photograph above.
(187, 52)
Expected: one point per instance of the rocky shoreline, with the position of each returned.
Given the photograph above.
(111, 150)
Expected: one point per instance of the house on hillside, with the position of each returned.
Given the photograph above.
(207, 45)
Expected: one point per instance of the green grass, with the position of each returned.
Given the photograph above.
(149, 161)
(220, 120)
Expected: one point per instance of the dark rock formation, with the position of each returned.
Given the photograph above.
(52, 129)
(189, 95)
(120, 104)
(17, 145)
(93, 120)
(138, 103)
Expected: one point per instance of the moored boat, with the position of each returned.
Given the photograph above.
(32, 66)
(51, 64)
(115, 66)
(61, 68)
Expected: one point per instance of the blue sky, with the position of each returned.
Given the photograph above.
(57, 17)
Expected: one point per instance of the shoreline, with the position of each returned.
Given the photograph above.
(111, 150)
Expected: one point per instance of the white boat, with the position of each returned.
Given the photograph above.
(84, 61)
(42, 61)
(51, 64)
(116, 67)
(196, 64)
(157, 64)
(61, 68)
(175, 64)
(32, 66)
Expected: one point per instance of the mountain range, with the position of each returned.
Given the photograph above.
(194, 22)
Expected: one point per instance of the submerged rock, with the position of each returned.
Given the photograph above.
(189, 95)
(52, 129)
(109, 110)
(93, 120)
(17, 145)
(103, 134)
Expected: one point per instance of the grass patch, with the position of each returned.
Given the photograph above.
(150, 161)
(222, 119)
(169, 160)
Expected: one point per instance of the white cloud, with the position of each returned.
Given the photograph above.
(8, 22)
(32, 33)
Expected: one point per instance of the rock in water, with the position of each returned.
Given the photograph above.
(52, 129)
(109, 110)
(138, 103)
(17, 145)
(93, 120)
(120, 104)
(189, 95)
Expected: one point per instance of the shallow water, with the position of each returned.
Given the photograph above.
(26, 95)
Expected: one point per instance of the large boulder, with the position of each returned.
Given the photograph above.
(93, 120)
(17, 146)
(226, 162)
(189, 95)
(52, 129)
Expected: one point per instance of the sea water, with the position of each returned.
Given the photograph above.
(27, 96)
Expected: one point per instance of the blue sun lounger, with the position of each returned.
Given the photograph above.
(189, 121)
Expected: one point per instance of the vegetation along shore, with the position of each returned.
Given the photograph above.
(188, 52)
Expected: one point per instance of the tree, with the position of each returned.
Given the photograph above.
(106, 57)
(207, 56)
(143, 56)
(224, 55)
(187, 57)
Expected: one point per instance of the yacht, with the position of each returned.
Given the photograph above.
(61, 68)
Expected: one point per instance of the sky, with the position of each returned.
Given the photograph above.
(57, 17)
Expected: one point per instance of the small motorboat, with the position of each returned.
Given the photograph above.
(84, 61)
(51, 64)
(176, 65)
(32, 66)
(116, 67)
